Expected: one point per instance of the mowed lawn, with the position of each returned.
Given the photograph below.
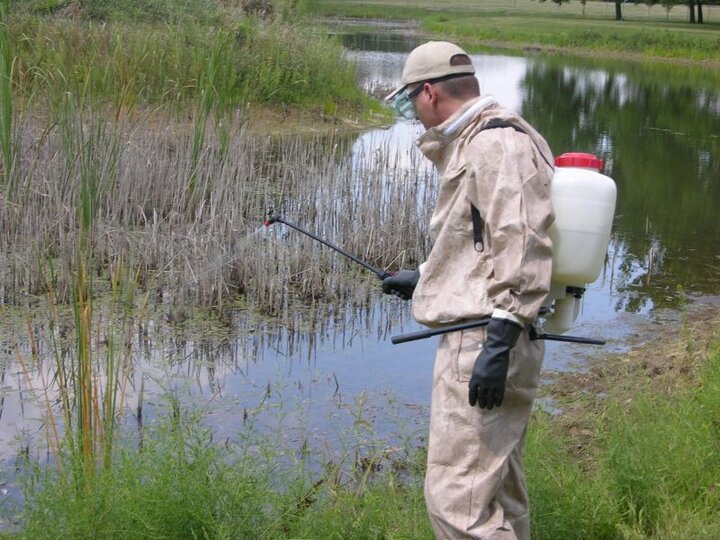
(644, 30)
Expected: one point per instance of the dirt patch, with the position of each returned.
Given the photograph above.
(674, 356)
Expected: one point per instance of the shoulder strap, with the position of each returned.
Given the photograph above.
(497, 123)
(477, 220)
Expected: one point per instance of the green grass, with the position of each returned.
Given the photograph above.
(157, 11)
(6, 103)
(640, 462)
(649, 32)
(653, 40)
(176, 54)
(176, 486)
(181, 484)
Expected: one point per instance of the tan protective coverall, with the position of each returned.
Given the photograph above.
(475, 485)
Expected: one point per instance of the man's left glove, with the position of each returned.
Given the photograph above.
(401, 283)
(487, 383)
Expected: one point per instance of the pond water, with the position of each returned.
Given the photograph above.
(657, 128)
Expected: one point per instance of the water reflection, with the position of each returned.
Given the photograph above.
(659, 138)
(386, 43)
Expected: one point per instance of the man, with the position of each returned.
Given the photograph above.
(491, 257)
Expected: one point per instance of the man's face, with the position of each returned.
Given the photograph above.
(426, 105)
(420, 101)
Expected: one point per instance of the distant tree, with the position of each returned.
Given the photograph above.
(691, 5)
(668, 5)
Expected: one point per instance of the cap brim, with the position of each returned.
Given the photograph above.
(395, 93)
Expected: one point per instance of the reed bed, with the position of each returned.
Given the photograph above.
(191, 221)
(128, 120)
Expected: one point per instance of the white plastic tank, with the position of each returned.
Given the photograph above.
(584, 203)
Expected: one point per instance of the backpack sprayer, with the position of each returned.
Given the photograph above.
(584, 203)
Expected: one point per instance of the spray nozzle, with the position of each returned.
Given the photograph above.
(271, 218)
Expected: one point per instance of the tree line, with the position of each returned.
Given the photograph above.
(695, 7)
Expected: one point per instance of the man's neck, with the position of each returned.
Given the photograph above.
(450, 106)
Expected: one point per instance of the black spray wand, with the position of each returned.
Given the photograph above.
(274, 218)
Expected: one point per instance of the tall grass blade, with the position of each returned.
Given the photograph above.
(6, 106)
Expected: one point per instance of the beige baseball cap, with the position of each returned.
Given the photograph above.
(431, 60)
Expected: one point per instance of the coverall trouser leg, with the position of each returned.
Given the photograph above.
(475, 485)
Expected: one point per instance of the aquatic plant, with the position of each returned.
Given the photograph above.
(173, 63)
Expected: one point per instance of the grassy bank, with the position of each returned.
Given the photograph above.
(643, 32)
(632, 455)
(177, 56)
(634, 452)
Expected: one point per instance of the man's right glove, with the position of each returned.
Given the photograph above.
(401, 283)
(487, 383)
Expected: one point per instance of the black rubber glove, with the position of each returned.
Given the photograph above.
(401, 283)
(487, 383)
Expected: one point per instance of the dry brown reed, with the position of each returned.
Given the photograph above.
(192, 222)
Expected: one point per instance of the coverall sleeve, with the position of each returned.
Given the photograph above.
(510, 186)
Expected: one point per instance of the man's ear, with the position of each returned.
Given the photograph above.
(431, 92)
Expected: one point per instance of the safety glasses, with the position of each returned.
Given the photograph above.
(403, 103)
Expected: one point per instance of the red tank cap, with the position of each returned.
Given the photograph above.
(579, 159)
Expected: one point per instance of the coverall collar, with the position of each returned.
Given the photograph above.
(433, 142)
